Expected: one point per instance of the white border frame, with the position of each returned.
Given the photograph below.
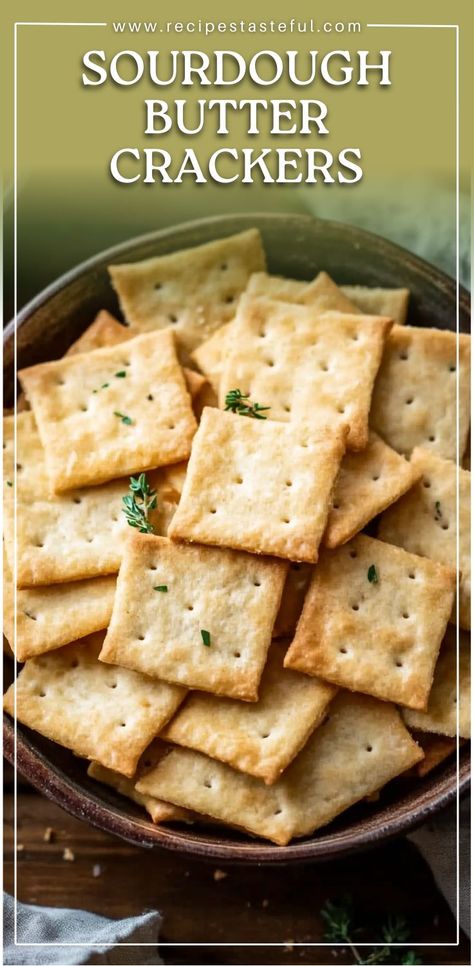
(295, 945)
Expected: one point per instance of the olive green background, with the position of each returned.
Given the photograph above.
(69, 207)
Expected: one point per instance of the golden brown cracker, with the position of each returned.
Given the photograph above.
(258, 485)
(131, 397)
(373, 620)
(107, 714)
(178, 615)
(414, 401)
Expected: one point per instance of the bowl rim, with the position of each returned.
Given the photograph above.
(81, 803)
(61, 789)
(431, 272)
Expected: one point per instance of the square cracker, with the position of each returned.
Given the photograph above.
(88, 522)
(362, 745)
(159, 632)
(424, 521)
(379, 301)
(106, 330)
(306, 365)
(323, 294)
(258, 485)
(440, 716)
(368, 482)
(53, 616)
(294, 593)
(380, 637)
(260, 739)
(107, 714)
(76, 401)
(158, 811)
(195, 290)
(414, 401)
(210, 356)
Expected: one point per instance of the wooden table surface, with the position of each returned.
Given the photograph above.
(247, 904)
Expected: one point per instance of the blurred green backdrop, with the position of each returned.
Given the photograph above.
(69, 207)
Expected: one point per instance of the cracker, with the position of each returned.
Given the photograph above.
(80, 400)
(106, 330)
(53, 616)
(195, 290)
(440, 716)
(67, 537)
(211, 354)
(324, 295)
(424, 521)
(159, 811)
(414, 401)
(260, 739)
(379, 301)
(169, 481)
(436, 749)
(206, 397)
(368, 482)
(362, 745)
(373, 620)
(160, 632)
(258, 485)
(103, 332)
(107, 714)
(294, 592)
(275, 287)
(306, 365)
(89, 522)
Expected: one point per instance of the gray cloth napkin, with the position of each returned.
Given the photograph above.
(42, 924)
(436, 840)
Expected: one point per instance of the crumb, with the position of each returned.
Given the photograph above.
(248, 904)
(20, 847)
(436, 922)
(68, 855)
(219, 874)
(265, 903)
(48, 834)
(334, 953)
(289, 946)
(96, 871)
(187, 873)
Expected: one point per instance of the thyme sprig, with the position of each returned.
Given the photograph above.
(235, 402)
(339, 918)
(138, 503)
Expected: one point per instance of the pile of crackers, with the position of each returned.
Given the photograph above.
(235, 542)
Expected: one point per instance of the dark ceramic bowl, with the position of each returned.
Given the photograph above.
(297, 246)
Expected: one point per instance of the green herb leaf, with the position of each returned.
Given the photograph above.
(105, 385)
(235, 402)
(338, 918)
(438, 510)
(9, 483)
(138, 503)
(372, 575)
(162, 587)
(124, 419)
(120, 375)
(206, 638)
